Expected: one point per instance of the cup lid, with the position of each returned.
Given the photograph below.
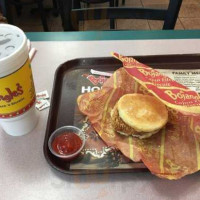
(13, 49)
(11, 39)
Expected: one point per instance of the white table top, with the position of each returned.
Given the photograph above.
(24, 172)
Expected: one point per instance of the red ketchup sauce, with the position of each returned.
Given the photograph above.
(66, 143)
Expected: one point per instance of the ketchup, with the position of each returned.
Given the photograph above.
(66, 143)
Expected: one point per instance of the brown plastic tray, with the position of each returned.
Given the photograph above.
(72, 78)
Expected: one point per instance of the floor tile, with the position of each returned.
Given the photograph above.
(81, 26)
(48, 3)
(97, 25)
(157, 25)
(189, 17)
(56, 21)
(36, 28)
(132, 24)
(156, 6)
(128, 3)
(96, 5)
(191, 2)
(190, 23)
(148, 2)
(131, 3)
(190, 10)
(56, 28)
(31, 20)
(179, 25)
(15, 18)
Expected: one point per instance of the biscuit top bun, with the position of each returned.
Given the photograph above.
(144, 113)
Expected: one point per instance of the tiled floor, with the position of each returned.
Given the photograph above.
(189, 18)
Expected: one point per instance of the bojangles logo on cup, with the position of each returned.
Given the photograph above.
(12, 94)
(17, 92)
(170, 92)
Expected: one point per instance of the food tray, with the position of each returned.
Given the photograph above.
(72, 78)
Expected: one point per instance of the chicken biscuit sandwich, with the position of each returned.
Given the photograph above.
(139, 115)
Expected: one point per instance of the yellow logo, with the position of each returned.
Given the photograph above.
(17, 92)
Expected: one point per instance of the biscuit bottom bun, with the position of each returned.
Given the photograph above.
(139, 115)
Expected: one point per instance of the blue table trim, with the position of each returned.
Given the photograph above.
(113, 35)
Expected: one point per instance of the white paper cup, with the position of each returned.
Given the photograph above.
(17, 93)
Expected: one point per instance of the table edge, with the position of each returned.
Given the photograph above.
(113, 35)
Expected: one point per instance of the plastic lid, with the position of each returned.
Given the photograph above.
(10, 41)
(13, 48)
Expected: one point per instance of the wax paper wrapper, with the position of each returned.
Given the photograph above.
(171, 153)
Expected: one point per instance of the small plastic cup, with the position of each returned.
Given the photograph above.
(67, 129)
